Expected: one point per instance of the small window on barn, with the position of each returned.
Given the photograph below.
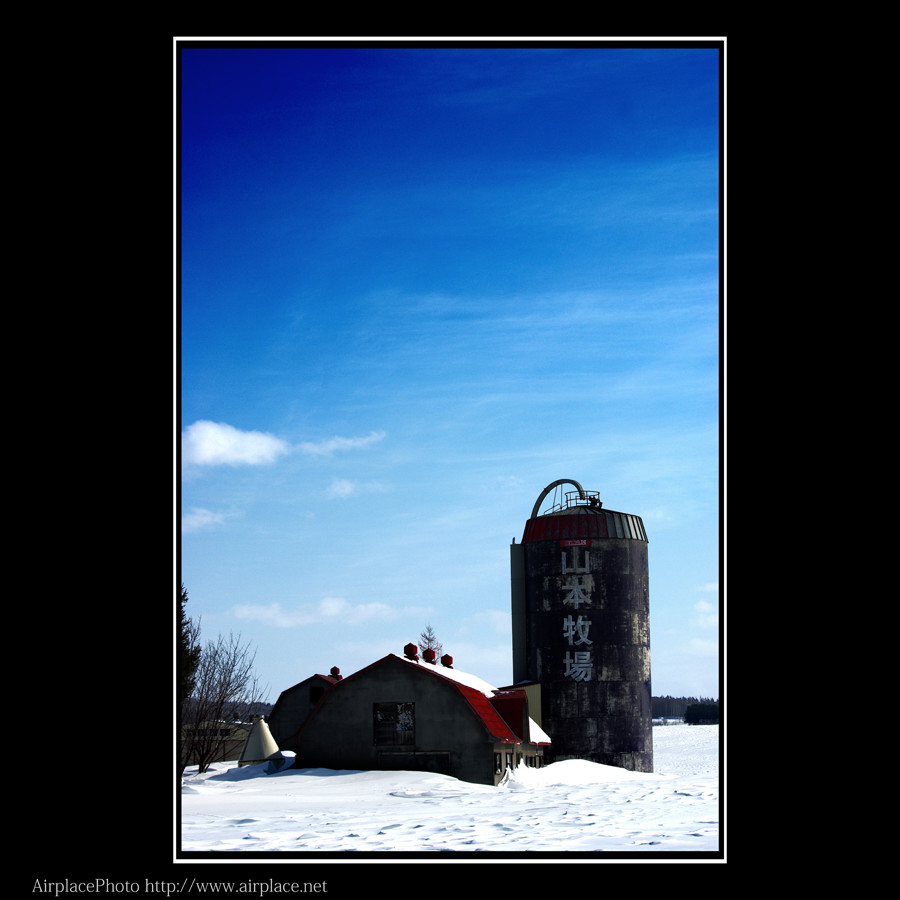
(395, 723)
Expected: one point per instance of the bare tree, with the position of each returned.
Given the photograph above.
(225, 692)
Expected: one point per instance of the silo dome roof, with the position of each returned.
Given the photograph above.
(584, 522)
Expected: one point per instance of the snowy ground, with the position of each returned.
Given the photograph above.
(572, 806)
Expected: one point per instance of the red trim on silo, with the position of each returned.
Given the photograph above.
(565, 527)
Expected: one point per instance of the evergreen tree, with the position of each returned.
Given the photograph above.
(188, 651)
(428, 640)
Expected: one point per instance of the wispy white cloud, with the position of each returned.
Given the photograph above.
(486, 622)
(707, 614)
(329, 610)
(330, 446)
(214, 444)
(700, 647)
(341, 488)
(200, 518)
(208, 443)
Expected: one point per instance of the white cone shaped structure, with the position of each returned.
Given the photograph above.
(260, 744)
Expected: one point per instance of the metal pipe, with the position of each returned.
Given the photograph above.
(540, 500)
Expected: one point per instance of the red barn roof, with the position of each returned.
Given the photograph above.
(503, 714)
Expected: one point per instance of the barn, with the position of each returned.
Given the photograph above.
(295, 703)
(403, 712)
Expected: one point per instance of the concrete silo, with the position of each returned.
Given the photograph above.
(581, 628)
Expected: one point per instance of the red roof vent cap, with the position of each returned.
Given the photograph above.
(447, 661)
(411, 651)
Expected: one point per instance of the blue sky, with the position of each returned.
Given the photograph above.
(417, 286)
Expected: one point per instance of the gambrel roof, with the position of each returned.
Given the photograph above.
(503, 714)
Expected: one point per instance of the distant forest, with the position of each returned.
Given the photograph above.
(676, 707)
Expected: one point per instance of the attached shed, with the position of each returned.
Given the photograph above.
(405, 713)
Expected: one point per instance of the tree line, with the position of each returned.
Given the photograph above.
(702, 714)
(676, 707)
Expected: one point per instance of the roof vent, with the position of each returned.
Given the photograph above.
(447, 661)
(336, 673)
(411, 651)
(429, 655)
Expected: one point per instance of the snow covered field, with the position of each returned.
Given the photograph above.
(573, 806)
